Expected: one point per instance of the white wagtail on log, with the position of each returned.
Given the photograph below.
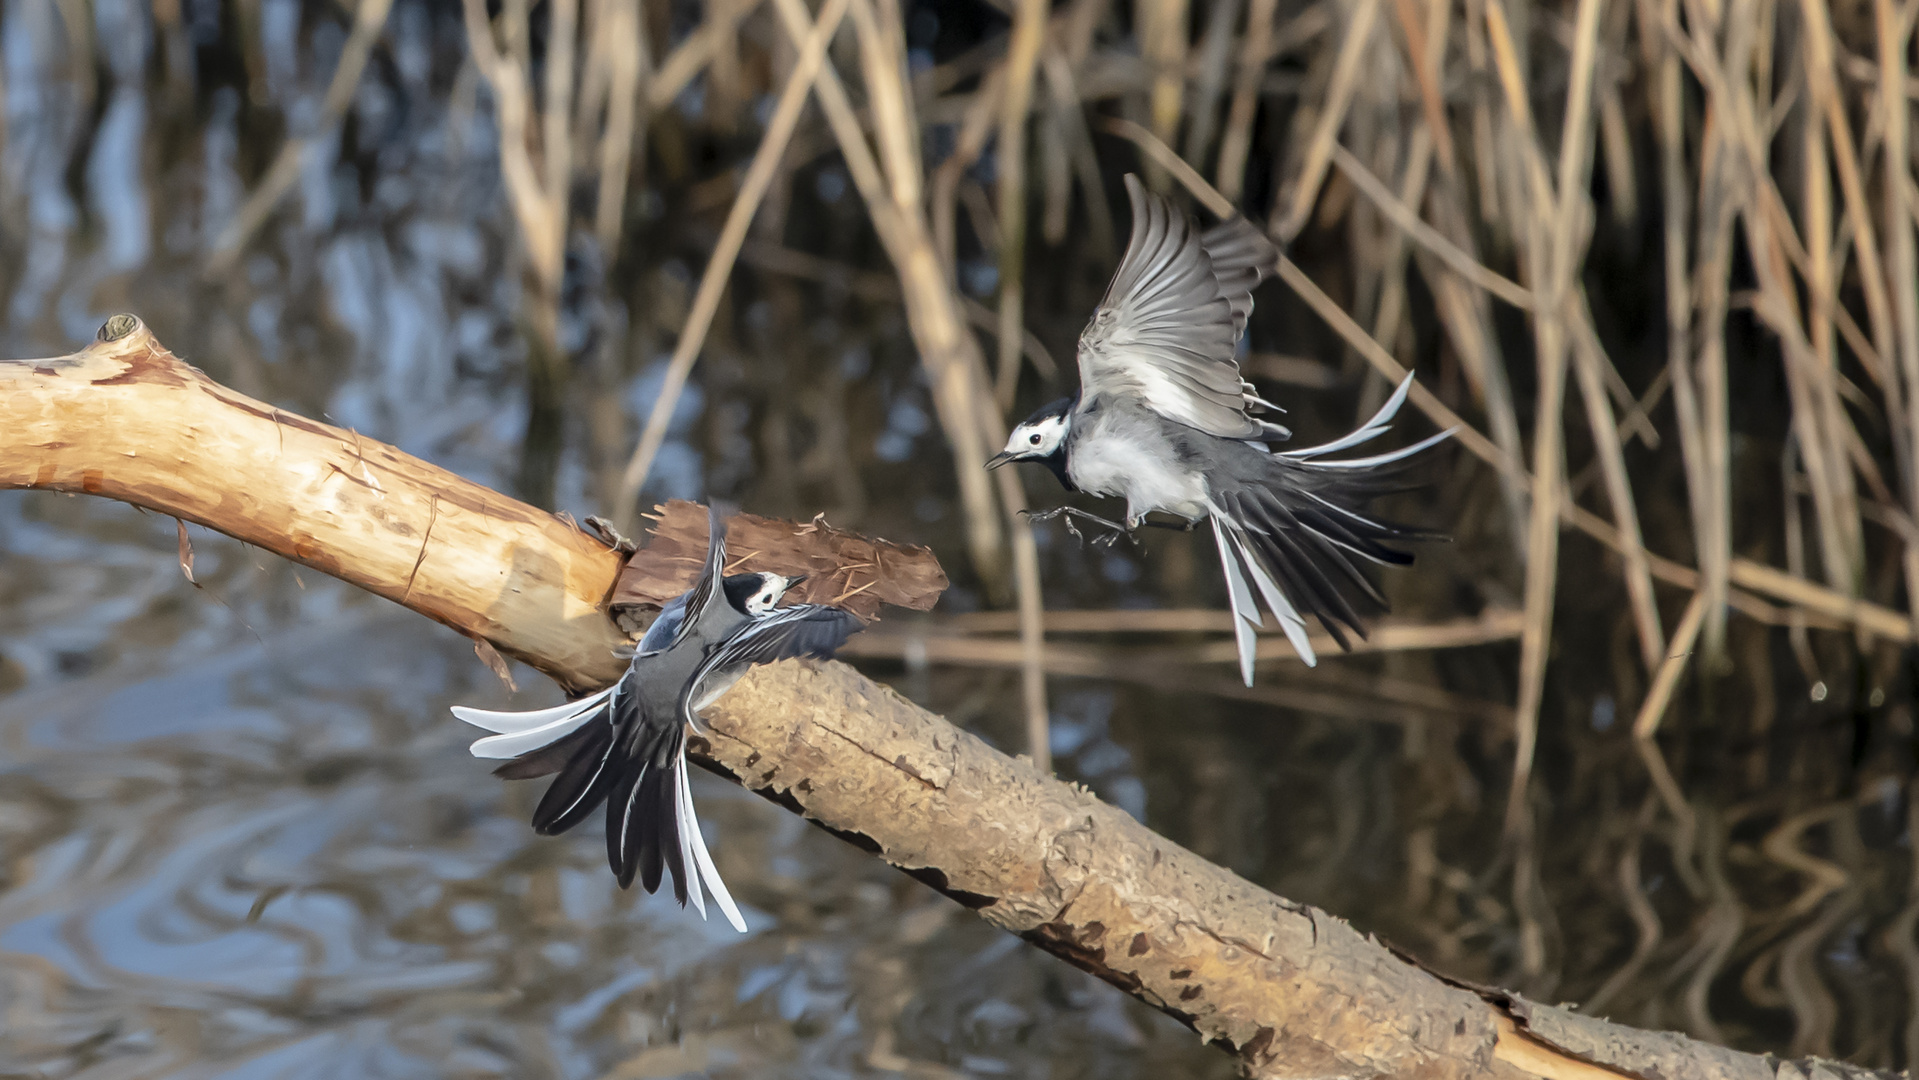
(1163, 420)
(626, 745)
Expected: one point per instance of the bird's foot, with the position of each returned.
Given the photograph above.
(1068, 513)
(610, 536)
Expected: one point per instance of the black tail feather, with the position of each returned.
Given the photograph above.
(548, 759)
(1306, 525)
(643, 818)
(582, 783)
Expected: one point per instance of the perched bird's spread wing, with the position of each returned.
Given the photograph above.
(811, 630)
(709, 589)
(1173, 316)
(664, 628)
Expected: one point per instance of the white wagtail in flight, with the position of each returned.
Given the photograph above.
(1163, 420)
(626, 744)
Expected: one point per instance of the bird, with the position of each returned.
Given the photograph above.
(1163, 420)
(626, 745)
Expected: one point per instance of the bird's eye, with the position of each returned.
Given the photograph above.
(1035, 439)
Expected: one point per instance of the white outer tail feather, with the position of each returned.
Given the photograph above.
(1282, 609)
(690, 838)
(509, 722)
(1367, 432)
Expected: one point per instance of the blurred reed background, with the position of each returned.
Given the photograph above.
(1641, 737)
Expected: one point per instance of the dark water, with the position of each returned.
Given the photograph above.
(240, 834)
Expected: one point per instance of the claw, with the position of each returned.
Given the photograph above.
(610, 536)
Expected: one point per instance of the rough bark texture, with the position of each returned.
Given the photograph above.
(1289, 990)
(126, 419)
(857, 573)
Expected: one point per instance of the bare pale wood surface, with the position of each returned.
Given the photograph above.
(1290, 991)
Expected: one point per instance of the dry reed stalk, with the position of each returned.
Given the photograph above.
(975, 128)
(1293, 370)
(1022, 58)
(1255, 51)
(1212, 65)
(883, 288)
(556, 135)
(1669, 110)
(1894, 334)
(951, 357)
(692, 55)
(1588, 362)
(1161, 28)
(1424, 53)
(369, 23)
(534, 208)
(1894, 30)
(1719, 200)
(1485, 148)
(955, 368)
(1622, 176)
(1550, 233)
(1843, 552)
(1797, 634)
(1070, 119)
(1666, 680)
(1173, 670)
(1063, 55)
(1299, 196)
(1389, 316)
(1388, 635)
(629, 60)
(1400, 213)
(706, 301)
(1464, 313)
(538, 187)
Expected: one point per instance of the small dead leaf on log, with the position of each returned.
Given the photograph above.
(186, 553)
(845, 569)
(496, 663)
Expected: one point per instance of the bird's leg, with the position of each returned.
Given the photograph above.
(610, 536)
(1071, 512)
(1187, 526)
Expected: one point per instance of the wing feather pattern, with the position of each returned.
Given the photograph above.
(708, 590)
(1172, 318)
(803, 630)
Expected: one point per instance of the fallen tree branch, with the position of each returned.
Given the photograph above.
(1287, 989)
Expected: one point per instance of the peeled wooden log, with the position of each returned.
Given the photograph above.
(1289, 990)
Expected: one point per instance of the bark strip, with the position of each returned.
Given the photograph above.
(1289, 990)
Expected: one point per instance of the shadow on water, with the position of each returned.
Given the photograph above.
(240, 835)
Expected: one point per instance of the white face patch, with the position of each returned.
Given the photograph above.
(772, 587)
(1037, 438)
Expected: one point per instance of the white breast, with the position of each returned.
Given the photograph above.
(1131, 458)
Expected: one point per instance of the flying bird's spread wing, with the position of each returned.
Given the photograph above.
(811, 630)
(1173, 316)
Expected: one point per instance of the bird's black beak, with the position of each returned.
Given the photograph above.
(796, 579)
(1000, 458)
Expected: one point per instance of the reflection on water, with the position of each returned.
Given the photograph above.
(240, 835)
(244, 837)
